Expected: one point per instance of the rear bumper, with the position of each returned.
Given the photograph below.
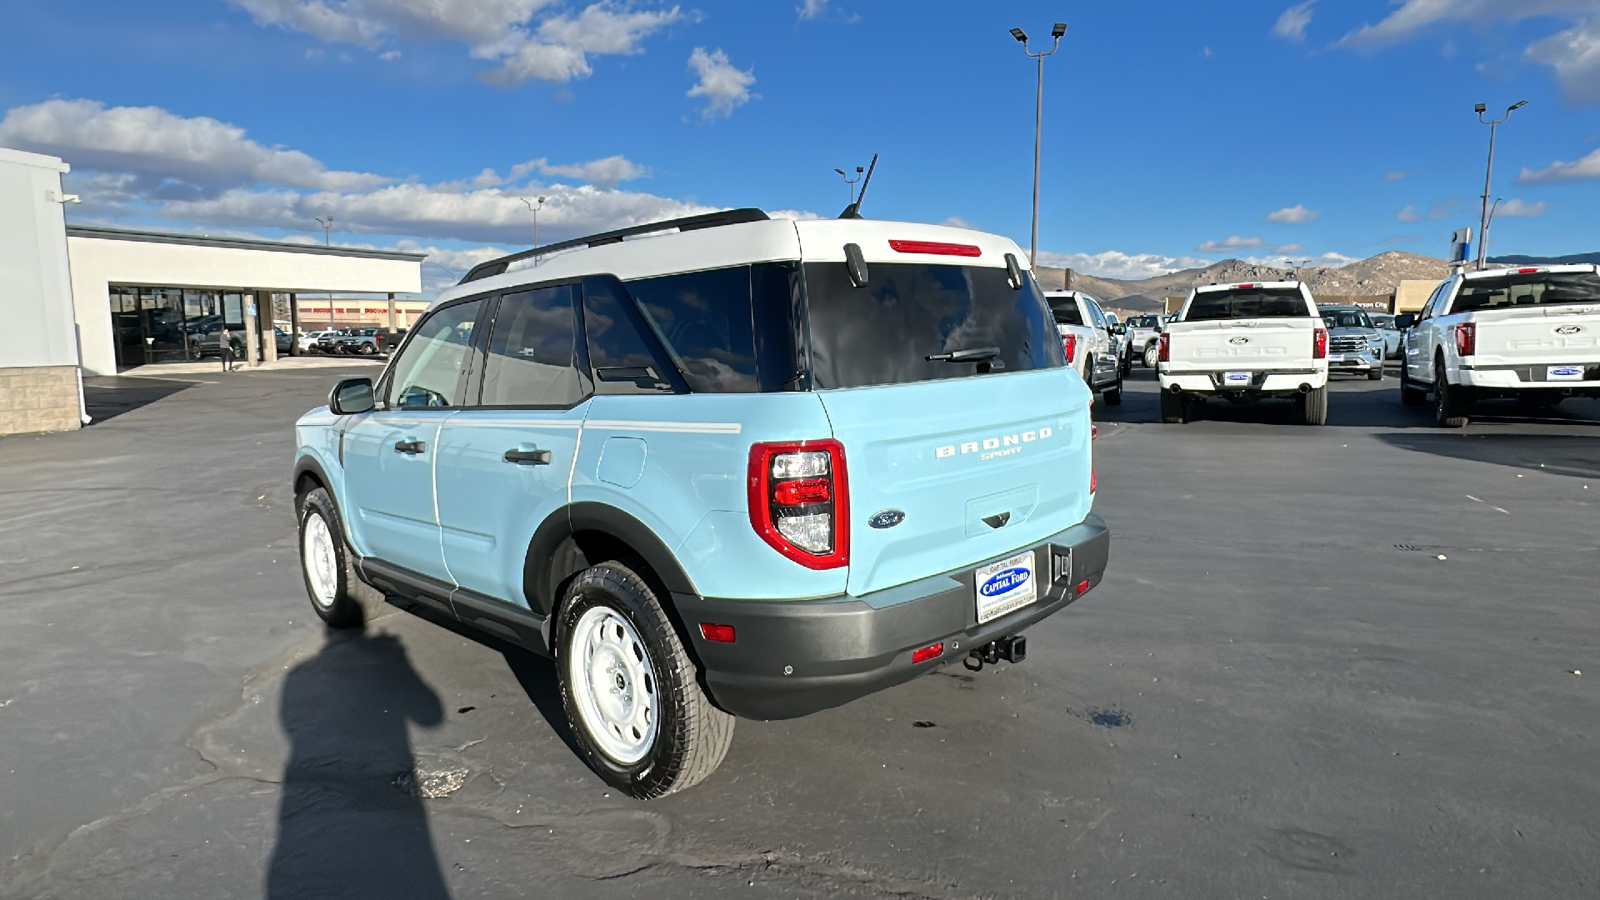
(793, 658)
(1270, 382)
(1532, 377)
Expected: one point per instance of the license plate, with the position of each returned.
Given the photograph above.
(1564, 373)
(1005, 587)
(1236, 379)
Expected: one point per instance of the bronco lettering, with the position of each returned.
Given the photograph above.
(993, 443)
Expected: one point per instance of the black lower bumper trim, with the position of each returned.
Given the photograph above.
(793, 658)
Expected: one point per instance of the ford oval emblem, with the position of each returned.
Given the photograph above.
(1240, 340)
(1004, 580)
(1569, 329)
(889, 518)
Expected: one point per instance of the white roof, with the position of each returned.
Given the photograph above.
(1513, 270)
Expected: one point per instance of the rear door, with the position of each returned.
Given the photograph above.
(959, 421)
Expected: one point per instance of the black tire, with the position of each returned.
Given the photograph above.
(1410, 394)
(1174, 411)
(1376, 373)
(1113, 395)
(692, 736)
(1452, 403)
(1314, 407)
(1151, 356)
(369, 350)
(340, 607)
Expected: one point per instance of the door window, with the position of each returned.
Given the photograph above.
(704, 319)
(533, 351)
(428, 370)
(1097, 314)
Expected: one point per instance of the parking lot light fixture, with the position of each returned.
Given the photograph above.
(1038, 122)
(1488, 173)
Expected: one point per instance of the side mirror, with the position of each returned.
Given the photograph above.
(351, 397)
(1405, 320)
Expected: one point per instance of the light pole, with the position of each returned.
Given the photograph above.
(1488, 172)
(535, 210)
(326, 227)
(851, 182)
(1483, 238)
(1038, 122)
(1298, 265)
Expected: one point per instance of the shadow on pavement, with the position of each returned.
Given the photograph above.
(347, 825)
(1558, 454)
(109, 397)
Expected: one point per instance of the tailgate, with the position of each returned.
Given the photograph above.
(1241, 343)
(1538, 334)
(1010, 449)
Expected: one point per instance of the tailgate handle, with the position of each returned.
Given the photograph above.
(997, 520)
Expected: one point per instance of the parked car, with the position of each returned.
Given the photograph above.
(1354, 343)
(328, 341)
(364, 342)
(282, 341)
(1244, 343)
(1140, 341)
(1091, 347)
(1526, 333)
(1390, 333)
(308, 340)
(703, 499)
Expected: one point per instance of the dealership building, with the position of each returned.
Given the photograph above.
(81, 300)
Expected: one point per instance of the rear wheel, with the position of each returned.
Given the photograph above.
(630, 690)
(1152, 355)
(1174, 410)
(1314, 407)
(1452, 403)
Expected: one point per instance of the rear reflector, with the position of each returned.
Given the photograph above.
(936, 248)
(722, 634)
(1083, 587)
(931, 651)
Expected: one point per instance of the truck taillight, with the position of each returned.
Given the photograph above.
(1319, 343)
(800, 501)
(1164, 348)
(1466, 339)
(1069, 346)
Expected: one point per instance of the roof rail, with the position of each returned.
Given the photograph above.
(689, 223)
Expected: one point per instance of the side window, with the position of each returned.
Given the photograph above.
(704, 320)
(625, 360)
(533, 347)
(426, 374)
(1431, 309)
(1096, 313)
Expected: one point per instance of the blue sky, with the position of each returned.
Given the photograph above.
(1175, 133)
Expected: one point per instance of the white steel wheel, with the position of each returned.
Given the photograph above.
(320, 560)
(325, 563)
(613, 685)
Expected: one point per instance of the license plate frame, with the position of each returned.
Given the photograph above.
(998, 590)
(1237, 379)
(1563, 373)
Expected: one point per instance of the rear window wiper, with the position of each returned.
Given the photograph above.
(971, 354)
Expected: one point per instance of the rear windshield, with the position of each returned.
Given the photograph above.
(1065, 310)
(1532, 289)
(1144, 322)
(884, 331)
(1346, 318)
(1247, 303)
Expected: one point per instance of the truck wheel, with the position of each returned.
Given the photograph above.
(1376, 372)
(1314, 407)
(1152, 355)
(1453, 403)
(325, 562)
(630, 690)
(1174, 410)
(1113, 395)
(1410, 394)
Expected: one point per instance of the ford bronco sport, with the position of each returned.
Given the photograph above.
(720, 466)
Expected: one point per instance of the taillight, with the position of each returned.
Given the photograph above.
(799, 501)
(1466, 339)
(1319, 343)
(1164, 348)
(1069, 346)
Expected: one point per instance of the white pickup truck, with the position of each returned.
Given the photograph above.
(1244, 343)
(1526, 333)
(1088, 341)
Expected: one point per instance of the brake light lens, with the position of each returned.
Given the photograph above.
(1466, 339)
(931, 651)
(722, 634)
(1319, 343)
(799, 501)
(936, 248)
(1069, 346)
(1245, 287)
(1164, 348)
(1526, 271)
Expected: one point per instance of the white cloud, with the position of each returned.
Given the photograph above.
(812, 9)
(606, 172)
(1291, 25)
(958, 222)
(1586, 167)
(560, 48)
(1408, 214)
(1230, 244)
(724, 85)
(1395, 175)
(1329, 260)
(1116, 264)
(1291, 215)
(170, 154)
(1290, 249)
(390, 55)
(1575, 55)
(1516, 208)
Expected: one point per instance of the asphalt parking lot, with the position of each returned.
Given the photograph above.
(1325, 662)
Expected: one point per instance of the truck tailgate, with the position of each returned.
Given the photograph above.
(1245, 344)
(1538, 334)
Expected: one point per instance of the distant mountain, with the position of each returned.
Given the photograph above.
(1380, 274)
(1546, 260)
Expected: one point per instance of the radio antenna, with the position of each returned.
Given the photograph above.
(853, 211)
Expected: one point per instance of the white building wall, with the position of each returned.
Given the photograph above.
(98, 263)
(35, 290)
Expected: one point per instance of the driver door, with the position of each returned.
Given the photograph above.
(389, 453)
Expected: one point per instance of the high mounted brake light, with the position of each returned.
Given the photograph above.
(1526, 271)
(1246, 287)
(800, 501)
(936, 248)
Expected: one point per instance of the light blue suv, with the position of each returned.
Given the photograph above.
(720, 466)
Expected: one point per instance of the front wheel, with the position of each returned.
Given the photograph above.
(1376, 372)
(630, 690)
(325, 562)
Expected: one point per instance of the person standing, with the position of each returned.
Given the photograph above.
(226, 346)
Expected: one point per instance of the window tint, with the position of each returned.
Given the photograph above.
(427, 371)
(1096, 313)
(533, 351)
(1247, 303)
(623, 358)
(1531, 289)
(704, 320)
(1065, 310)
(1346, 318)
(885, 331)
(1431, 308)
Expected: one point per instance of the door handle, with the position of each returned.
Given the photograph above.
(528, 457)
(410, 448)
